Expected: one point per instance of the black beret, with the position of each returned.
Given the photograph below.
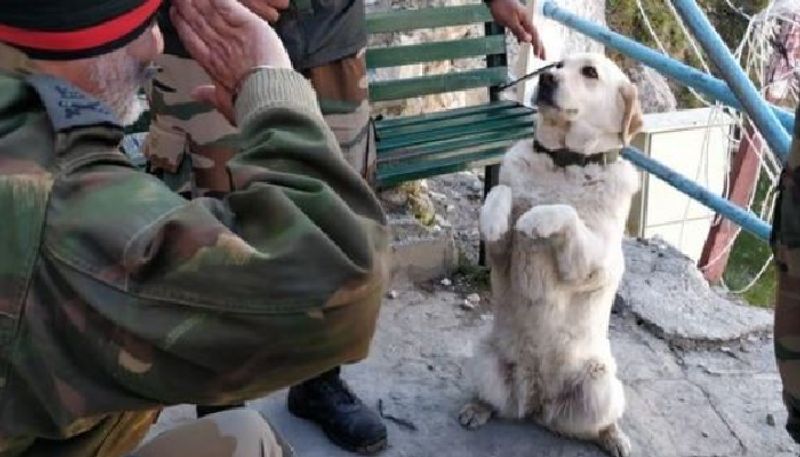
(72, 29)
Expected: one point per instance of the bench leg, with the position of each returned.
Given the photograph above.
(491, 178)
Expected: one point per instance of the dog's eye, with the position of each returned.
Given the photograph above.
(560, 64)
(589, 72)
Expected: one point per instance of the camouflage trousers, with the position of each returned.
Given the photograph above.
(189, 143)
(235, 433)
(786, 246)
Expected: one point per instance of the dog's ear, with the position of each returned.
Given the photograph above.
(632, 118)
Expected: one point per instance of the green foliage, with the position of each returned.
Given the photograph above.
(748, 256)
(474, 276)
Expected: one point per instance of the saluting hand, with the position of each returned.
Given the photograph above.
(227, 40)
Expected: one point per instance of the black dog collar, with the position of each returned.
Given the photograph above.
(565, 157)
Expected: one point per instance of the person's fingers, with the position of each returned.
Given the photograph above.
(266, 12)
(272, 15)
(538, 47)
(527, 25)
(211, 18)
(205, 94)
(198, 40)
(196, 15)
(233, 12)
(536, 39)
(516, 28)
(267, 9)
(279, 4)
(191, 40)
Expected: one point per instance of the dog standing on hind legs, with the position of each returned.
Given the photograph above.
(553, 229)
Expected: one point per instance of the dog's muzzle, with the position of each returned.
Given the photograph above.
(545, 94)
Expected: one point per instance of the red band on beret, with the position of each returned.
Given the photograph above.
(77, 40)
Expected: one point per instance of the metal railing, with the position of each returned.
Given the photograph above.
(734, 90)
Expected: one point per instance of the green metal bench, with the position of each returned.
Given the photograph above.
(415, 147)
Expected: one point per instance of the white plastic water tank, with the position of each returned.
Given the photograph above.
(696, 143)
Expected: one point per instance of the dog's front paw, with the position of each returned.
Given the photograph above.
(495, 213)
(546, 220)
(475, 414)
(494, 228)
(614, 441)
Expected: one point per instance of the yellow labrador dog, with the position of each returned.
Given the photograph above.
(553, 229)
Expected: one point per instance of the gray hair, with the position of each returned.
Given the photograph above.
(118, 77)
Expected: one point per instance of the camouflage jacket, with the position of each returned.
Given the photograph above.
(786, 233)
(118, 297)
(786, 246)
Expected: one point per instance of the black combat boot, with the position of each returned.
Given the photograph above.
(346, 420)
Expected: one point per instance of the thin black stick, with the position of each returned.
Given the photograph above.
(528, 76)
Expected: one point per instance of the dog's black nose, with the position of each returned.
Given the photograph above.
(546, 89)
(547, 80)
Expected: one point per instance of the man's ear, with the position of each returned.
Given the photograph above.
(632, 118)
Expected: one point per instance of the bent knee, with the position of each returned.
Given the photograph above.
(241, 422)
(251, 432)
(233, 433)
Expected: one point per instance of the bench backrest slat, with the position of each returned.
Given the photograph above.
(455, 147)
(432, 52)
(491, 46)
(426, 85)
(424, 118)
(426, 18)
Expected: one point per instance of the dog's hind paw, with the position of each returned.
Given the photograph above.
(474, 415)
(614, 441)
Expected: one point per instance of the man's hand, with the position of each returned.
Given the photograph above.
(513, 15)
(228, 41)
(269, 10)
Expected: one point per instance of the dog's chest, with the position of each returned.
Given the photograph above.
(591, 194)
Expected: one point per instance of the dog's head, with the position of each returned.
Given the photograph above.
(587, 104)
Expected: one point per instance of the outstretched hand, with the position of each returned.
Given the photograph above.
(228, 41)
(513, 15)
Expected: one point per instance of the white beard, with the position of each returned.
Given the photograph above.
(118, 78)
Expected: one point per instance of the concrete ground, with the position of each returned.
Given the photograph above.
(687, 394)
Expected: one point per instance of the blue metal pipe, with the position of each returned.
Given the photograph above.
(708, 85)
(744, 89)
(745, 219)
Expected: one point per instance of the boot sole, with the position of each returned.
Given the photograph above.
(366, 449)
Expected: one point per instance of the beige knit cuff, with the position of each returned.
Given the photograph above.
(274, 88)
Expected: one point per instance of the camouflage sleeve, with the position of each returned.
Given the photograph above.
(212, 301)
(311, 152)
(786, 246)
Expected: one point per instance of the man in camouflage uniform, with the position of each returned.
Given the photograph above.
(786, 246)
(117, 296)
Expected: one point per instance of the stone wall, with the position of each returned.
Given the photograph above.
(558, 40)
